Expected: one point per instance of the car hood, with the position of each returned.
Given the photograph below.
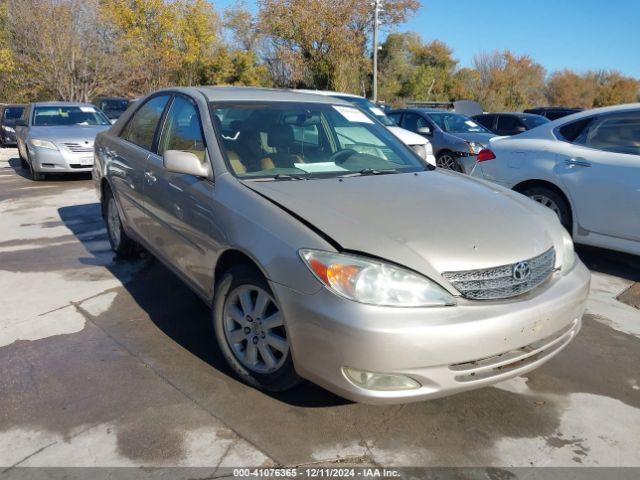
(407, 137)
(68, 134)
(431, 222)
(482, 138)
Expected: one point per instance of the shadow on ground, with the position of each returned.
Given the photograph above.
(171, 305)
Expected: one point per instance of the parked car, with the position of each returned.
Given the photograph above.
(585, 167)
(507, 123)
(8, 116)
(455, 139)
(112, 107)
(330, 252)
(418, 143)
(58, 137)
(553, 113)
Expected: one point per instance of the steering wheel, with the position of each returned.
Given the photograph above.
(342, 155)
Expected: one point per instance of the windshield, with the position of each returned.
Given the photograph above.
(285, 140)
(533, 121)
(369, 108)
(68, 115)
(456, 123)
(13, 113)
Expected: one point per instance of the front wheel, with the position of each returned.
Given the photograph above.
(447, 161)
(250, 330)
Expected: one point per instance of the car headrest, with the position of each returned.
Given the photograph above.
(280, 137)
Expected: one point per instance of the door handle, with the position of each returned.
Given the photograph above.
(577, 162)
(150, 178)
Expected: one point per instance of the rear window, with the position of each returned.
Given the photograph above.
(571, 131)
(533, 122)
(13, 113)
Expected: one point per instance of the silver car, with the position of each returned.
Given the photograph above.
(328, 250)
(58, 137)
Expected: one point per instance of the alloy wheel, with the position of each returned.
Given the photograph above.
(254, 329)
(547, 202)
(448, 162)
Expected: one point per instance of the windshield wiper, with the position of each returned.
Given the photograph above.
(289, 176)
(370, 171)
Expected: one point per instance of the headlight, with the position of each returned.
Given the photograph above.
(373, 282)
(474, 148)
(568, 252)
(43, 144)
(8, 129)
(421, 150)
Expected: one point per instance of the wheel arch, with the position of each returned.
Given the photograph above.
(524, 185)
(232, 257)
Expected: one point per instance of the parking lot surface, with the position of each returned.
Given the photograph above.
(113, 363)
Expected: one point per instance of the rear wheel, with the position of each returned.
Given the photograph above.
(250, 330)
(118, 238)
(553, 201)
(447, 161)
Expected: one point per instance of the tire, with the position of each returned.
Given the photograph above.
(552, 200)
(242, 339)
(447, 161)
(120, 242)
(35, 176)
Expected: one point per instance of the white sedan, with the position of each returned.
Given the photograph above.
(585, 167)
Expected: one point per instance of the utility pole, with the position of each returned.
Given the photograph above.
(377, 5)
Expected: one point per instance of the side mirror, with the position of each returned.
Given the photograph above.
(177, 161)
(424, 130)
(21, 122)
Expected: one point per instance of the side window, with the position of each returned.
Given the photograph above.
(306, 134)
(413, 121)
(619, 133)
(142, 126)
(182, 129)
(571, 131)
(485, 120)
(507, 122)
(395, 117)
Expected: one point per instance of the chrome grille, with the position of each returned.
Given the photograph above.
(501, 282)
(79, 148)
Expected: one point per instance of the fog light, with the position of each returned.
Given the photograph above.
(379, 381)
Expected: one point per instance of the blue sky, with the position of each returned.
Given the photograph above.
(577, 34)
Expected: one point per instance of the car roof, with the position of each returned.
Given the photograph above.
(517, 114)
(327, 93)
(596, 111)
(231, 94)
(62, 104)
(421, 110)
(13, 105)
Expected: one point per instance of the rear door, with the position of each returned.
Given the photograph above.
(601, 171)
(129, 162)
(181, 206)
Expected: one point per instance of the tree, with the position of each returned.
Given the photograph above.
(613, 88)
(567, 88)
(508, 81)
(77, 57)
(412, 69)
(323, 43)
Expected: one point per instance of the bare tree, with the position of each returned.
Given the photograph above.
(60, 48)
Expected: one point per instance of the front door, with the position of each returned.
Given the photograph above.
(180, 206)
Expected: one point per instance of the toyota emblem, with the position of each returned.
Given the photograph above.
(521, 271)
